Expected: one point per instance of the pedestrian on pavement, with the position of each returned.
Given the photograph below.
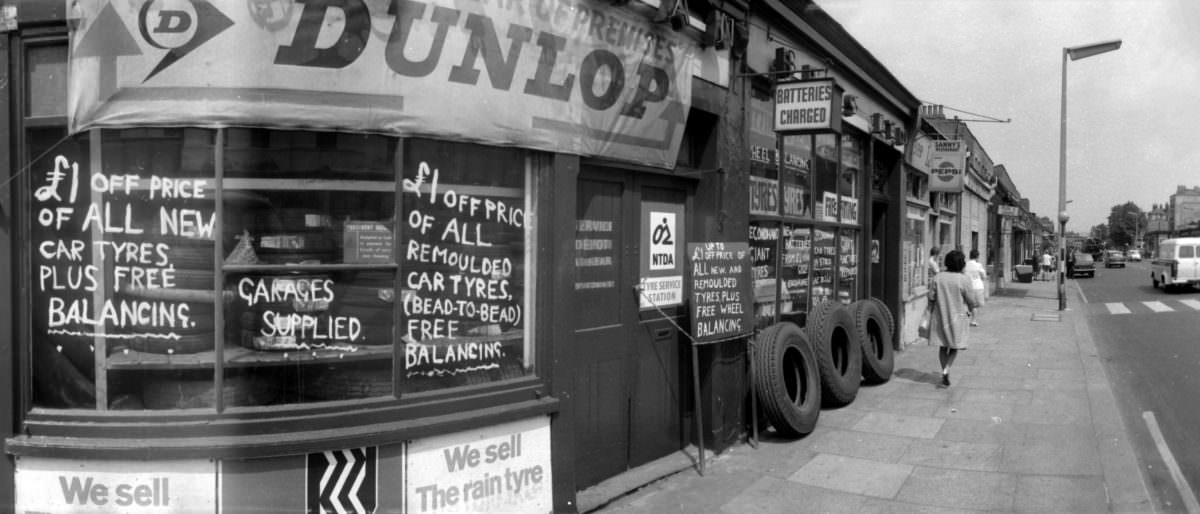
(978, 275)
(933, 265)
(952, 298)
(1047, 262)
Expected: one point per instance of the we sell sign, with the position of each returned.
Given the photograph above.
(947, 165)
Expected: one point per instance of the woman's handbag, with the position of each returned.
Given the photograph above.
(923, 328)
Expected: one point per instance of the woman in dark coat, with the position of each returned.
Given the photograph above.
(952, 300)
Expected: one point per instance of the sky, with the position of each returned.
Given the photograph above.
(1133, 115)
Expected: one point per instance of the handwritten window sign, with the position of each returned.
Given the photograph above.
(808, 106)
(722, 302)
(463, 261)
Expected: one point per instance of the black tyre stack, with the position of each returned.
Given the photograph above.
(839, 357)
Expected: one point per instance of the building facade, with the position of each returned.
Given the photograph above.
(284, 255)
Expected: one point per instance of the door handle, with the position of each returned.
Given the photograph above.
(663, 334)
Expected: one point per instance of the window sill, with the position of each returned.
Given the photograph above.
(228, 442)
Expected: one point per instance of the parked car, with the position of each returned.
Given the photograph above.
(1134, 256)
(1114, 258)
(1081, 264)
(1177, 263)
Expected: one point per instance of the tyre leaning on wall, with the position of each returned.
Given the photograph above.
(786, 379)
(839, 356)
(874, 328)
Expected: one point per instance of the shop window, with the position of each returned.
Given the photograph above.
(825, 175)
(47, 83)
(915, 252)
(797, 193)
(794, 273)
(824, 253)
(764, 156)
(328, 288)
(764, 240)
(848, 243)
(848, 178)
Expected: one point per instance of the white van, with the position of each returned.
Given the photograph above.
(1177, 263)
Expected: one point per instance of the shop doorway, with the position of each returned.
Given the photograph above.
(629, 372)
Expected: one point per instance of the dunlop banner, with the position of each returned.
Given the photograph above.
(571, 76)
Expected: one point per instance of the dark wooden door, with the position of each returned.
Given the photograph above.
(629, 376)
(602, 330)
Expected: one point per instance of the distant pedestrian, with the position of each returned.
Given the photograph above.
(978, 275)
(1047, 264)
(952, 298)
(933, 265)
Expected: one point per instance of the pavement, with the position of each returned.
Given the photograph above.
(1029, 424)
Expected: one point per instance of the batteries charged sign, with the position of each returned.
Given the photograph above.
(808, 106)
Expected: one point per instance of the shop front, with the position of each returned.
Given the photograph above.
(308, 256)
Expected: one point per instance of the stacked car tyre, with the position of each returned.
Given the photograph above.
(787, 379)
(874, 327)
(839, 357)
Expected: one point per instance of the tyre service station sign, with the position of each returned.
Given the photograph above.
(662, 255)
(808, 106)
(721, 295)
(947, 164)
(573, 76)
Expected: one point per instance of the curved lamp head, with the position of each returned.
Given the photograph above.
(1063, 217)
(1084, 51)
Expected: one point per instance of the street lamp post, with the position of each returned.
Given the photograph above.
(1075, 53)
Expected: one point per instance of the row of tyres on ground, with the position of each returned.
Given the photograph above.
(799, 370)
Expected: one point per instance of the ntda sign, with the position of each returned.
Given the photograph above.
(556, 75)
(947, 163)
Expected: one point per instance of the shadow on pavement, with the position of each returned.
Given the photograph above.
(918, 376)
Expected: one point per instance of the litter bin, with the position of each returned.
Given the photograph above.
(1024, 273)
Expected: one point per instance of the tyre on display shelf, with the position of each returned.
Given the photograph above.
(786, 379)
(873, 330)
(839, 356)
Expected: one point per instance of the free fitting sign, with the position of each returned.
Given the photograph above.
(808, 106)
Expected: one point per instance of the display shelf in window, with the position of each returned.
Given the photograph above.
(239, 357)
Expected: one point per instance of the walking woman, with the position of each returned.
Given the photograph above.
(978, 275)
(952, 298)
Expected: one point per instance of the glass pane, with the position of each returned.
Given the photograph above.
(797, 194)
(852, 168)
(914, 273)
(764, 238)
(307, 198)
(825, 174)
(848, 268)
(824, 253)
(47, 84)
(467, 285)
(764, 157)
(64, 360)
(1187, 252)
(794, 272)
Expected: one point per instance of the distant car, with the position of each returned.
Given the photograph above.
(1082, 264)
(1113, 259)
(1134, 256)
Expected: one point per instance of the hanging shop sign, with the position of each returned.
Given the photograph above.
(947, 165)
(808, 106)
(662, 239)
(567, 76)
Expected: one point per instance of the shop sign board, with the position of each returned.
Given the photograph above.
(721, 292)
(808, 106)
(662, 255)
(86, 486)
(542, 78)
(921, 153)
(502, 468)
(947, 165)
(1007, 210)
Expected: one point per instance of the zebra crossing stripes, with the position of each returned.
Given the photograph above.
(1157, 306)
(1117, 308)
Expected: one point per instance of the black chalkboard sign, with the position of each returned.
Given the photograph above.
(721, 294)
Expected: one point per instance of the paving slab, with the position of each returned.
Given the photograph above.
(852, 475)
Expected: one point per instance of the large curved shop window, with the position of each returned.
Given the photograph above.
(305, 267)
